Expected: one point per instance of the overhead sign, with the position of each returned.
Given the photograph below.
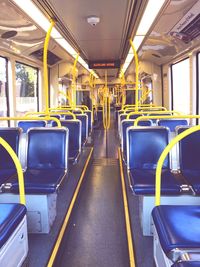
(188, 28)
(104, 64)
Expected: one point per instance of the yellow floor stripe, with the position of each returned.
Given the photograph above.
(126, 212)
(63, 228)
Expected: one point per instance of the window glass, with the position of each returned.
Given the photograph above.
(181, 86)
(3, 90)
(26, 88)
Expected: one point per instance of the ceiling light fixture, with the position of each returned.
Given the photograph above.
(151, 11)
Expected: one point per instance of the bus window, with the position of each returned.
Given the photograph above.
(181, 86)
(3, 90)
(26, 88)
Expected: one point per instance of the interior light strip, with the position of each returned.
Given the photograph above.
(151, 11)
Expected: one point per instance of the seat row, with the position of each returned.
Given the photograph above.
(175, 224)
(46, 167)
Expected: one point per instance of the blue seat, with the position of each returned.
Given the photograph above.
(177, 227)
(47, 155)
(117, 108)
(187, 264)
(172, 123)
(26, 125)
(77, 111)
(89, 114)
(144, 147)
(69, 117)
(74, 127)
(189, 153)
(10, 217)
(7, 166)
(125, 124)
(154, 120)
(100, 113)
(84, 127)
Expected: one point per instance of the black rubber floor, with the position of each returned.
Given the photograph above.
(97, 233)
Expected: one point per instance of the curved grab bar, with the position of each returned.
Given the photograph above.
(163, 156)
(18, 167)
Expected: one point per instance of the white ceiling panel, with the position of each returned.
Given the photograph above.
(105, 39)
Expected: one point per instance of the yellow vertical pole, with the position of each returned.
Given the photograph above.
(74, 82)
(136, 76)
(18, 167)
(45, 66)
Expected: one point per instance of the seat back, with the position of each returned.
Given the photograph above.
(68, 117)
(189, 150)
(172, 124)
(144, 147)
(47, 148)
(125, 124)
(74, 127)
(89, 114)
(84, 129)
(25, 125)
(11, 136)
(158, 114)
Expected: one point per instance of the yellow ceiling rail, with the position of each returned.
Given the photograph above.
(161, 112)
(46, 81)
(164, 155)
(74, 82)
(136, 75)
(142, 118)
(46, 118)
(18, 166)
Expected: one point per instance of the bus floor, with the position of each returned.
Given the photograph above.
(96, 234)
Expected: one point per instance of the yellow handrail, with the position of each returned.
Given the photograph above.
(82, 106)
(142, 105)
(18, 167)
(47, 118)
(74, 82)
(142, 118)
(136, 75)
(163, 156)
(148, 108)
(51, 113)
(46, 82)
(153, 112)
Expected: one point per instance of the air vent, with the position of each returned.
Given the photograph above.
(8, 34)
(155, 55)
(51, 57)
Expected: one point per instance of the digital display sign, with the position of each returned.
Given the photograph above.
(112, 64)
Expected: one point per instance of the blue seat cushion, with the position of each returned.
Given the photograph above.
(10, 217)
(177, 226)
(40, 181)
(6, 174)
(143, 181)
(187, 264)
(193, 178)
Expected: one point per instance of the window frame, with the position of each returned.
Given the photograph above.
(7, 89)
(37, 82)
(171, 74)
